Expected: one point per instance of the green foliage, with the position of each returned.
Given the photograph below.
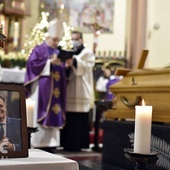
(12, 59)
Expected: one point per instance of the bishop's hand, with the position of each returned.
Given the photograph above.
(69, 62)
(55, 60)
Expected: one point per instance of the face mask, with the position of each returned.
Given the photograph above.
(76, 44)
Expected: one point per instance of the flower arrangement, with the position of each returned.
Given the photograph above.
(13, 59)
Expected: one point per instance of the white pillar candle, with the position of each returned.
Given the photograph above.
(143, 122)
(30, 112)
(2, 25)
(16, 34)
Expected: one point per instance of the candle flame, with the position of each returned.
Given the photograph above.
(98, 32)
(143, 102)
(62, 6)
(16, 24)
(29, 101)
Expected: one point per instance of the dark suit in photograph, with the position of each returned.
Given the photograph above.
(13, 133)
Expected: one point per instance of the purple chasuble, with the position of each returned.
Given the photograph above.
(110, 95)
(52, 89)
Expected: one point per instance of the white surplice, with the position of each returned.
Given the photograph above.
(80, 89)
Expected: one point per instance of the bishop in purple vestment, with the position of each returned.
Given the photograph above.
(45, 82)
(51, 97)
(46, 70)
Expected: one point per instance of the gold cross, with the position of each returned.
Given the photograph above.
(56, 109)
(56, 76)
(56, 92)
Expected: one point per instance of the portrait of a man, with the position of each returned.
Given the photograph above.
(10, 129)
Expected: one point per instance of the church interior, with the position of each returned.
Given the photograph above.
(129, 120)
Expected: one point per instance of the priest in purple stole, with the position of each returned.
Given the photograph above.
(45, 83)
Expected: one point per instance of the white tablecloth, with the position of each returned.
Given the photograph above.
(39, 160)
(12, 75)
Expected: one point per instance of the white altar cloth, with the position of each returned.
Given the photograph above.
(12, 75)
(39, 160)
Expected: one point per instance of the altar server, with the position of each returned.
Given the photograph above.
(104, 82)
(80, 96)
(45, 83)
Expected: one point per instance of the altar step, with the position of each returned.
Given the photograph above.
(95, 165)
(88, 159)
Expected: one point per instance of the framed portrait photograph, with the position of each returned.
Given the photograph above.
(13, 125)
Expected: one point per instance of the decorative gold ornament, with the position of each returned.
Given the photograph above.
(56, 109)
(56, 92)
(56, 76)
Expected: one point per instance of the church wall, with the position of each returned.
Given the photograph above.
(158, 37)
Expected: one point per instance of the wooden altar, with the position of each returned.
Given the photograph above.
(12, 13)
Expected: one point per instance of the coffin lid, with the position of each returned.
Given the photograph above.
(147, 80)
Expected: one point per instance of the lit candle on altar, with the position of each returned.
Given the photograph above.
(30, 112)
(16, 34)
(143, 122)
(2, 26)
(2, 23)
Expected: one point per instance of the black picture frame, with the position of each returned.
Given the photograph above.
(14, 95)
